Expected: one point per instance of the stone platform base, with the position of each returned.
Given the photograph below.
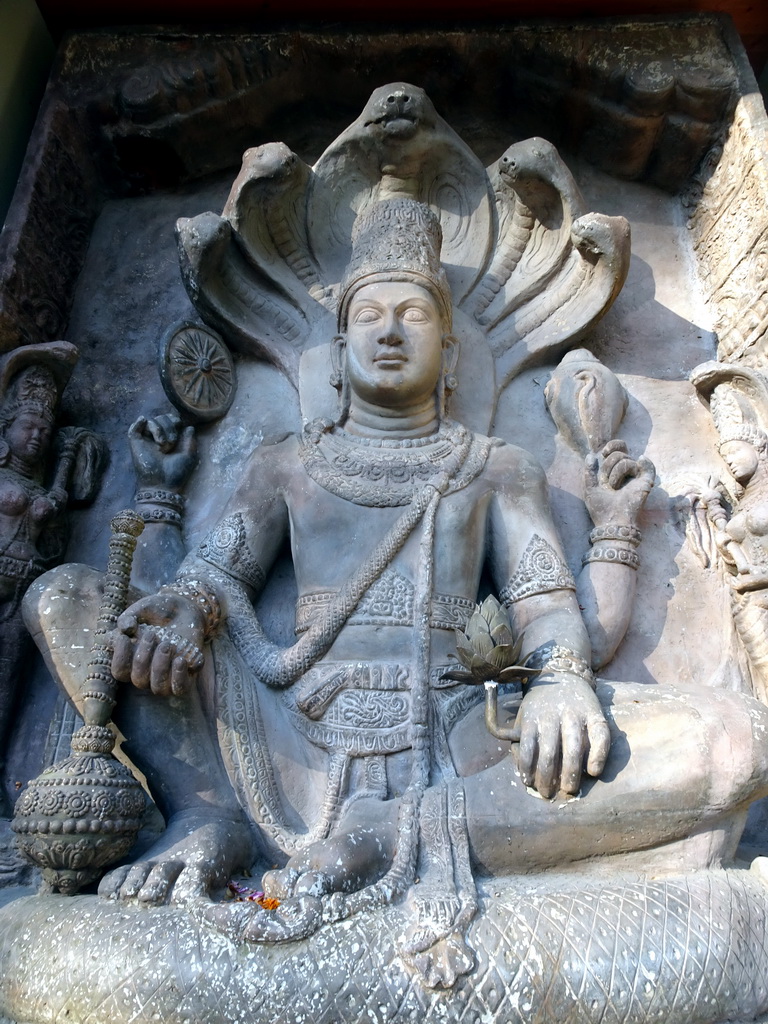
(554, 950)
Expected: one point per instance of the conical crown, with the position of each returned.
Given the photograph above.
(396, 240)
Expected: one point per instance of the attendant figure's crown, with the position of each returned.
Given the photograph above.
(743, 432)
(396, 240)
(735, 418)
(34, 390)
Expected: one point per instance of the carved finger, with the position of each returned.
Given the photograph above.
(573, 746)
(548, 761)
(280, 882)
(179, 676)
(128, 623)
(295, 919)
(607, 465)
(134, 880)
(646, 471)
(122, 658)
(188, 442)
(138, 429)
(170, 424)
(616, 445)
(599, 744)
(591, 471)
(159, 679)
(159, 882)
(528, 751)
(230, 918)
(620, 472)
(142, 659)
(191, 884)
(112, 882)
(159, 433)
(313, 883)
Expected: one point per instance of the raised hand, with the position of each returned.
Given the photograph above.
(164, 453)
(616, 485)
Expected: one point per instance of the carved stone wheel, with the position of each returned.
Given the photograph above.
(197, 371)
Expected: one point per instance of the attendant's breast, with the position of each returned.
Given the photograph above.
(14, 499)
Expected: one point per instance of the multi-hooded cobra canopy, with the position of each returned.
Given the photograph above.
(530, 270)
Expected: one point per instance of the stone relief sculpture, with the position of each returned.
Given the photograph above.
(393, 835)
(34, 492)
(727, 526)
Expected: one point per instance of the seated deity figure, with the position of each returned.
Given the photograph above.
(392, 514)
(354, 762)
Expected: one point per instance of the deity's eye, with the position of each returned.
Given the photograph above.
(367, 315)
(415, 315)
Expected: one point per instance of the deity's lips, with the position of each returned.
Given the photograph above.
(395, 123)
(395, 359)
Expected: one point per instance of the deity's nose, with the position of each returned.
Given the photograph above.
(398, 100)
(389, 338)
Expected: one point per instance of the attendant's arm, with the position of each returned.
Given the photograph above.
(561, 724)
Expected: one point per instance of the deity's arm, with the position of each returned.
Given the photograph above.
(161, 638)
(616, 487)
(526, 559)
(560, 721)
(242, 547)
(164, 455)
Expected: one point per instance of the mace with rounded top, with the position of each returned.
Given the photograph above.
(85, 812)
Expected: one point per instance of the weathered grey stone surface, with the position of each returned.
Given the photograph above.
(645, 925)
(664, 949)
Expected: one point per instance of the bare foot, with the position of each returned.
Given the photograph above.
(357, 855)
(297, 918)
(198, 851)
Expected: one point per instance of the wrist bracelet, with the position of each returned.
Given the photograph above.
(612, 531)
(197, 591)
(619, 556)
(160, 515)
(554, 658)
(158, 496)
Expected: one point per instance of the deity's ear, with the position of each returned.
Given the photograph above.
(5, 450)
(450, 353)
(338, 358)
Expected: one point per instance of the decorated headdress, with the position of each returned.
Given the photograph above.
(33, 377)
(32, 390)
(735, 419)
(738, 401)
(399, 240)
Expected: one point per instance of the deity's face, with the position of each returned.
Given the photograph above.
(28, 436)
(741, 459)
(394, 344)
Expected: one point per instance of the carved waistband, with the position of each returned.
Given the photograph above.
(23, 569)
(363, 708)
(388, 602)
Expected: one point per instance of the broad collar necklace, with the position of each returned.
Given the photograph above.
(379, 471)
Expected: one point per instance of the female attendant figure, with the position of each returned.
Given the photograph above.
(740, 533)
(33, 530)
